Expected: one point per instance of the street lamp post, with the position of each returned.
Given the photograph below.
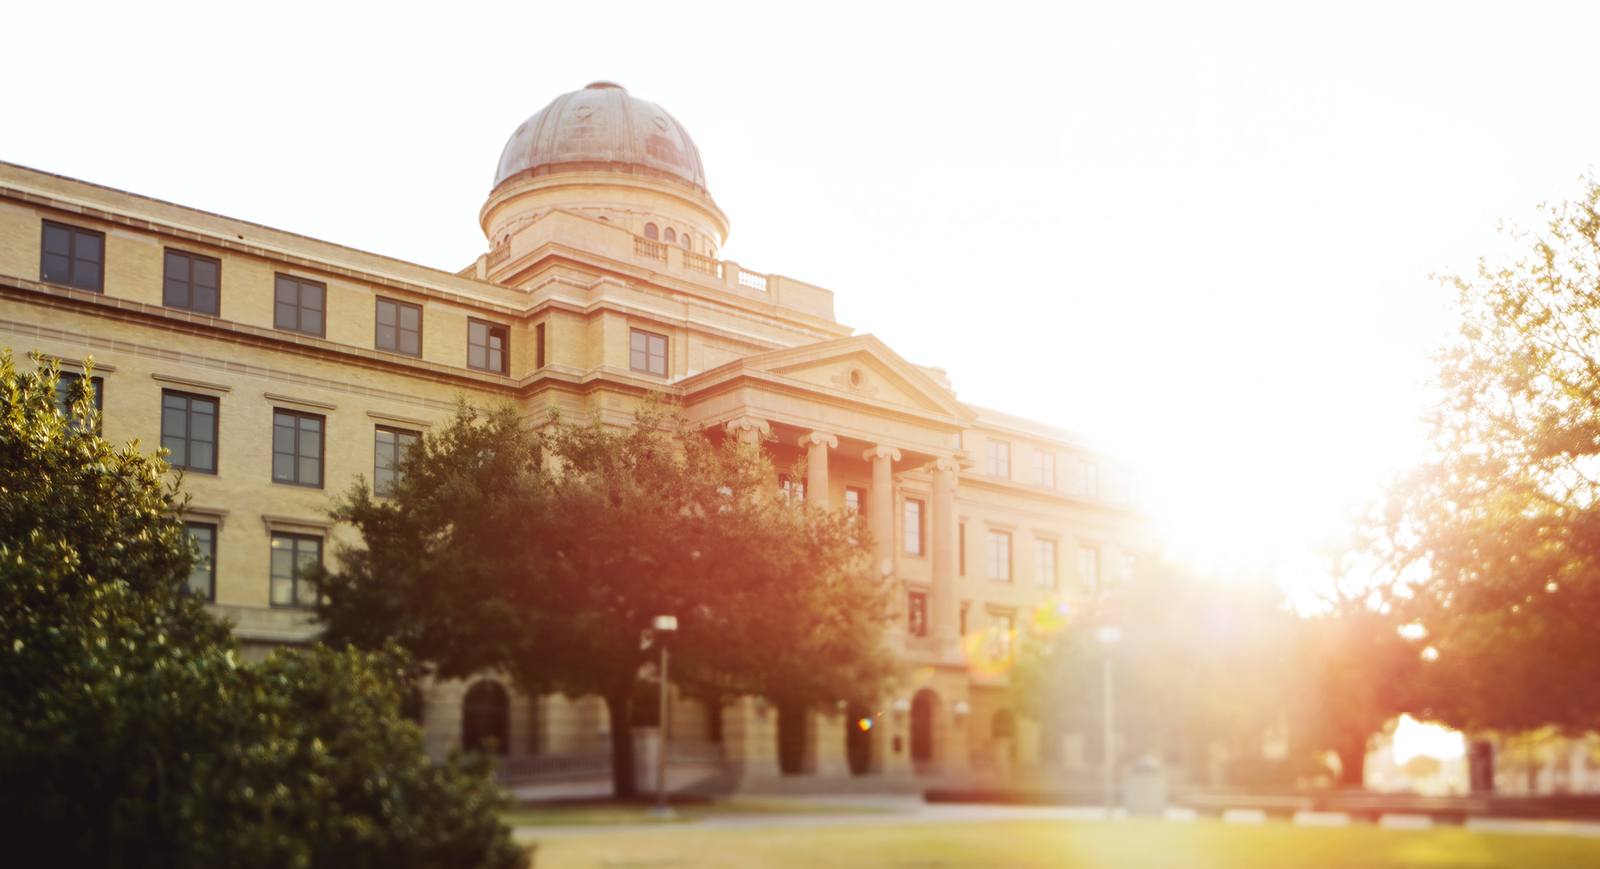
(1108, 635)
(663, 625)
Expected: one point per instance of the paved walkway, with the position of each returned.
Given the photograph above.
(900, 810)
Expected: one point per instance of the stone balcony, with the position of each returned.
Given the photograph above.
(615, 243)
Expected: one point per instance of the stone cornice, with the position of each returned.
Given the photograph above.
(301, 259)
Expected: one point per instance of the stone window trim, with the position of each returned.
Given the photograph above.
(70, 269)
(204, 387)
(305, 405)
(396, 421)
(75, 366)
(280, 524)
(188, 283)
(217, 516)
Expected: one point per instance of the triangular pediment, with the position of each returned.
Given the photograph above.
(860, 366)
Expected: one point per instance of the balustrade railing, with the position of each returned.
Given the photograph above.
(702, 263)
(649, 249)
(753, 280)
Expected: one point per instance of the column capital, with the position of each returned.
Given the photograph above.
(748, 429)
(819, 438)
(881, 452)
(946, 463)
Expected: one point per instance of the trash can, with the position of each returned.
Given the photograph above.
(1144, 790)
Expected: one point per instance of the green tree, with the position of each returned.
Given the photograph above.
(1496, 536)
(130, 734)
(548, 554)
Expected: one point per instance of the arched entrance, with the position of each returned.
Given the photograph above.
(1003, 735)
(485, 718)
(859, 730)
(922, 710)
(794, 739)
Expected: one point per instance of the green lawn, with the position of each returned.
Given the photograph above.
(611, 813)
(1080, 845)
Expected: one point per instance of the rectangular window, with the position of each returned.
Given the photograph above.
(399, 327)
(189, 431)
(647, 352)
(917, 614)
(791, 489)
(961, 549)
(292, 558)
(488, 346)
(390, 448)
(1045, 566)
(64, 383)
(1003, 635)
(1090, 481)
(297, 448)
(999, 455)
(1000, 556)
(855, 500)
(1130, 566)
(1089, 568)
(203, 575)
(965, 605)
(192, 282)
(300, 305)
(538, 345)
(1044, 469)
(913, 530)
(72, 257)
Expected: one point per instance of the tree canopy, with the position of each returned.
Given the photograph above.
(548, 554)
(131, 733)
(1497, 535)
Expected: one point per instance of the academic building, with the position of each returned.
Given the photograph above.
(277, 368)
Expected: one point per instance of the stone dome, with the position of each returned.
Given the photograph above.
(603, 126)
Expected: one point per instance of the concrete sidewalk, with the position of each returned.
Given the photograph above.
(901, 810)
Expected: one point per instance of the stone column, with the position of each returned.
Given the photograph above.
(749, 430)
(945, 627)
(880, 503)
(816, 445)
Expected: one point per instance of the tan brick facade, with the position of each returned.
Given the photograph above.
(755, 355)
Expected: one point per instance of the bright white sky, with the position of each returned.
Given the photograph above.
(1201, 235)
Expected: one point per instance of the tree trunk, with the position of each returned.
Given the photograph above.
(619, 704)
(1352, 763)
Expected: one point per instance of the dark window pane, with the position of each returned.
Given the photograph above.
(204, 273)
(86, 246)
(57, 240)
(56, 269)
(311, 322)
(410, 318)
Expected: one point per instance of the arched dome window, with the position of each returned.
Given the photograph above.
(651, 232)
(686, 244)
(671, 236)
(486, 719)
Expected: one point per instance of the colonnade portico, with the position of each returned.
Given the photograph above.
(884, 475)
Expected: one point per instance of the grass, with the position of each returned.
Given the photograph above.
(604, 813)
(1080, 845)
